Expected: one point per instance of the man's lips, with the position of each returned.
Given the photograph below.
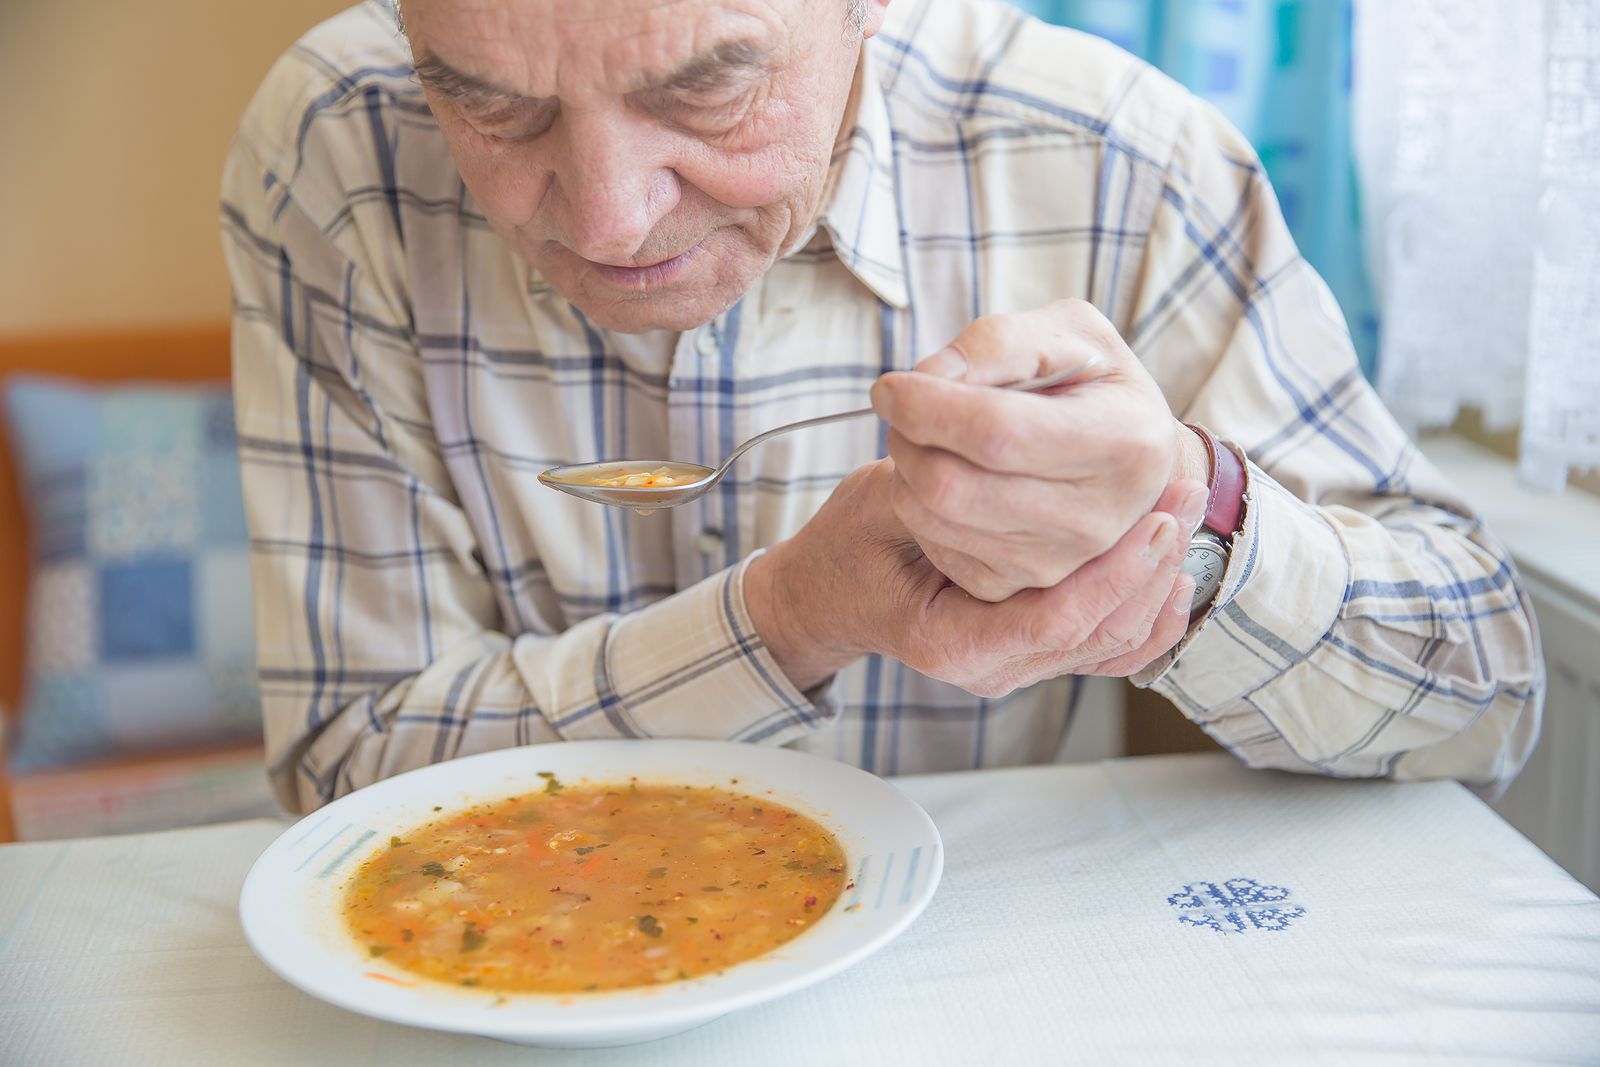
(647, 277)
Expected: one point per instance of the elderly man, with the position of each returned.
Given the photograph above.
(498, 235)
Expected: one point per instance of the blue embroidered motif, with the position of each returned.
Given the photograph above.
(1235, 906)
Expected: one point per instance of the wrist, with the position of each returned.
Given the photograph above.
(788, 622)
(1193, 461)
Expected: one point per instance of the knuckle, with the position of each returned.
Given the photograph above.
(1089, 321)
(992, 589)
(991, 332)
(1125, 635)
(1041, 573)
(1057, 629)
(1078, 309)
(1122, 584)
(996, 447)
(903, 502)
(943, 488)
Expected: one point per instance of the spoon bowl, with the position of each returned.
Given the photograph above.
(578, 479)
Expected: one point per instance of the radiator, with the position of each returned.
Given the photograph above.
(1556, 800)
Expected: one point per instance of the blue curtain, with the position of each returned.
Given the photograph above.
(1280, 71)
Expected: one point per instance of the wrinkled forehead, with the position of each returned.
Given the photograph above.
(572, 48)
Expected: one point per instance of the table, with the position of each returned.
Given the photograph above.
(1135, 911)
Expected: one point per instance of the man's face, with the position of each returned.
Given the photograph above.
(649, 158)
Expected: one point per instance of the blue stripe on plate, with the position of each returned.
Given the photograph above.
(911, 875)
(363, 839)
(883, 887)
(322, 846)
(319, 825)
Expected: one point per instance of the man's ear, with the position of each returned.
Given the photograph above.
(876, 9)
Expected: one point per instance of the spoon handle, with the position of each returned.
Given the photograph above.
(820, 420)
(1026, 386)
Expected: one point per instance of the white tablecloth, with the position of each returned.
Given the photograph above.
(1137, 911)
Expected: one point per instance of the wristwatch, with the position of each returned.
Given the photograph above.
(1207, 557)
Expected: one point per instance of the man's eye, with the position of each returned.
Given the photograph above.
(710, 110)
(511, 122)
(711, 99)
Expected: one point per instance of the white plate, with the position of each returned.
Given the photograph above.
(290, 903)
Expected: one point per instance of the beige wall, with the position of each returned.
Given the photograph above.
(114, 119)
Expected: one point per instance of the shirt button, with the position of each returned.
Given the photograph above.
(709, 542)
(705, 343)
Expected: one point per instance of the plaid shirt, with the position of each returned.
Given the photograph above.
(401, 376)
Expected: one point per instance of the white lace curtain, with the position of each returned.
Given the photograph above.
(1477, 135)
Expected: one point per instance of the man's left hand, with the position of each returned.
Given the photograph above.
(1006, 491)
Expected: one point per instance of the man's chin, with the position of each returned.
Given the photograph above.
(643, 312)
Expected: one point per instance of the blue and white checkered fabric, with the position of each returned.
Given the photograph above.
(139, 627)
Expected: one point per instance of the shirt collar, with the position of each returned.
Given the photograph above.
(860, 211)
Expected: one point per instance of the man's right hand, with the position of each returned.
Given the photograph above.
(853, 581)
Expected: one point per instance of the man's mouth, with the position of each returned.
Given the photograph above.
(649, 276)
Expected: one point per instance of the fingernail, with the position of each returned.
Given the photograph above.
(945, 363)
(1166, 532)
(1194, 509)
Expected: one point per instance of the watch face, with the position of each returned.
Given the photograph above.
(1205, 562)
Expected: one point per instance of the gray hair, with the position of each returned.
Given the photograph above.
(855, 19)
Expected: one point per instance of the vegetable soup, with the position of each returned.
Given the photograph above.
(575, 889)
(639, 478)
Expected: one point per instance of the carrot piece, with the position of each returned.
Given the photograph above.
(391, 981)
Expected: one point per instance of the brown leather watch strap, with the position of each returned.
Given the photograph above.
(1225, 503)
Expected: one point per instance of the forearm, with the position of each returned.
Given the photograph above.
(690, 665)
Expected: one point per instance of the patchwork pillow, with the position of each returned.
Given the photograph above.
(139, 633)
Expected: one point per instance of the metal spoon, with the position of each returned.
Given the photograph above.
(572, 477)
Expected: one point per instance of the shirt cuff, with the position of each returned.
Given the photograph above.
(1281, 592)
(691, 665)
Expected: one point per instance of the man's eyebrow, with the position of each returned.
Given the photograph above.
(449, 81)
(716, 67)
(709, 71)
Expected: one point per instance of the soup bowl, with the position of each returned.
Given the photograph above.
(291, 906)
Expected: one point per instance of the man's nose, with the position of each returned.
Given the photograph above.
(615, 185)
